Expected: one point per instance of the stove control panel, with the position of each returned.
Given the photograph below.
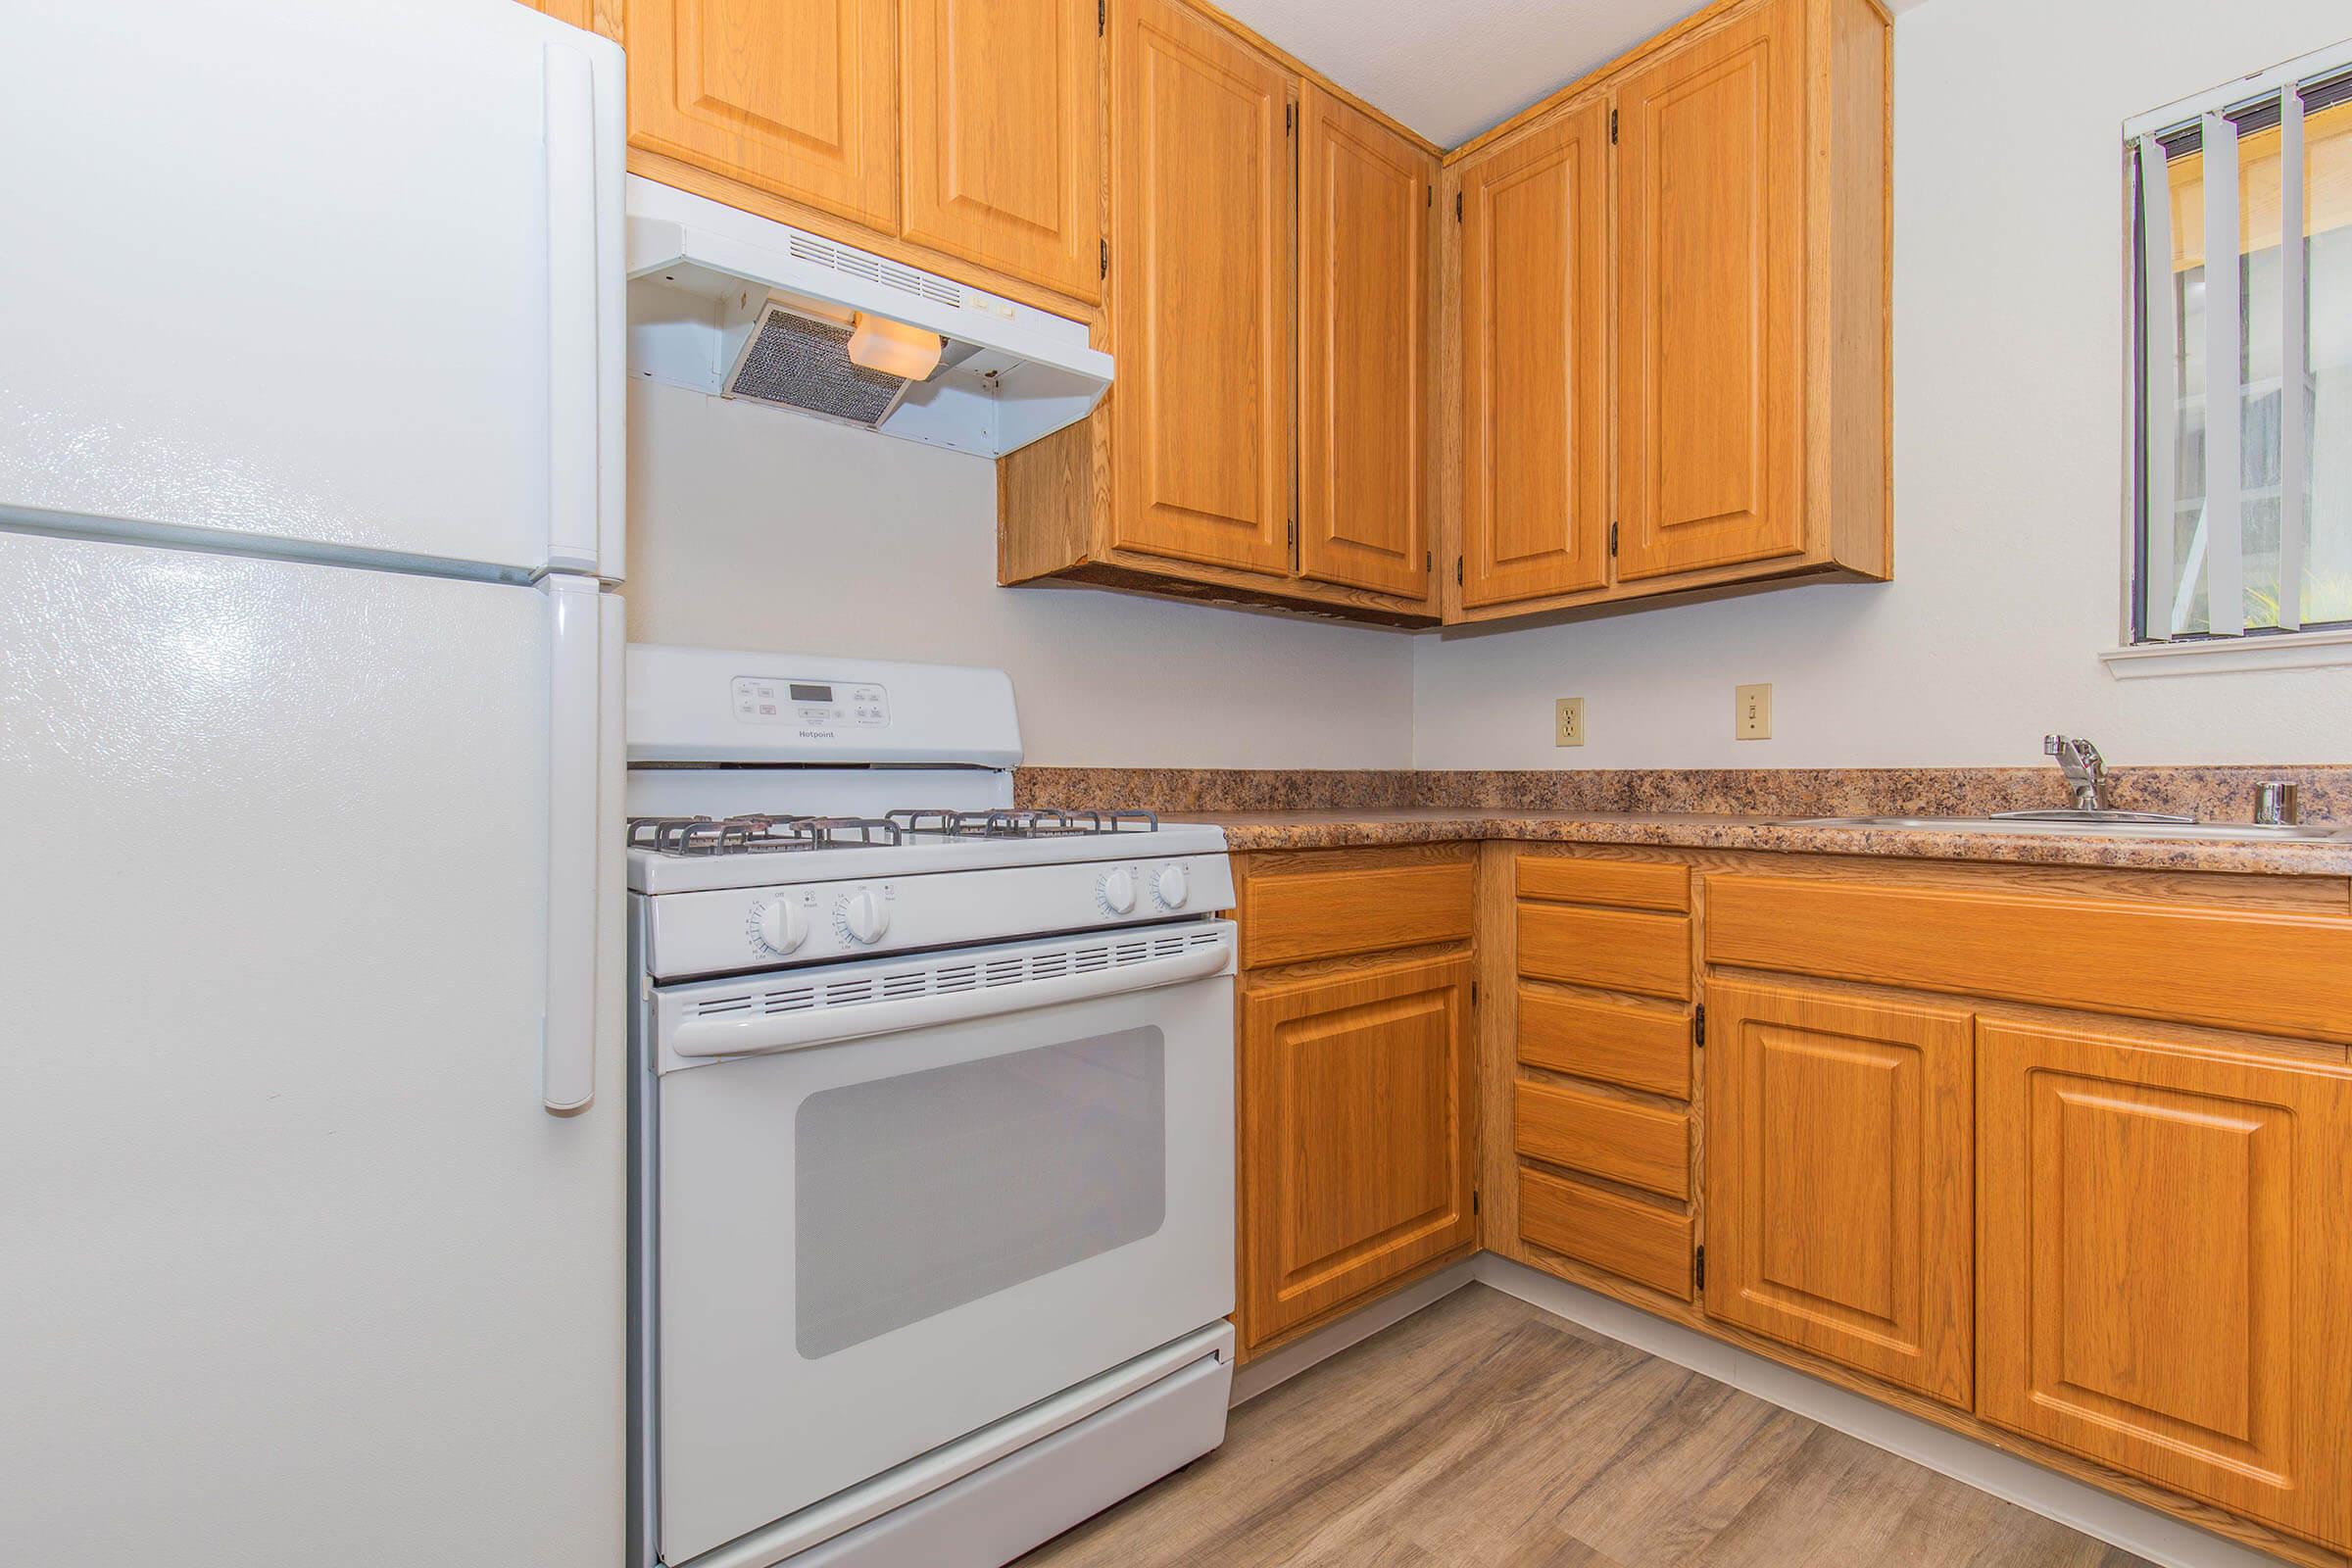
(729, 930)
(810, 705)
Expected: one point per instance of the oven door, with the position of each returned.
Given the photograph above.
(922, 1193)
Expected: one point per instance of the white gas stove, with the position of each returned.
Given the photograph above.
(932, 1218)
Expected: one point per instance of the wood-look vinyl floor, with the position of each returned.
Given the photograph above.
(1481, 1431)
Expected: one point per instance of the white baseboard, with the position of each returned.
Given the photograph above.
(2156, 1536)
(1280, 1366)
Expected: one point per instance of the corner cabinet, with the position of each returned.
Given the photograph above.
(1266, 440)
(1355, 1093)
(1724, 192)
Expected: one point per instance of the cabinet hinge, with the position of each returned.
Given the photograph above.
(1289, 117)
(1106, 272)
(1429, 560)
(1457, 206)
(1102, 17)
(1699, 1025)
(1698, 1268)
(1294, 535)
(1612, 539)
(1612, 127)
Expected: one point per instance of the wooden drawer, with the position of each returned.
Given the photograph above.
(1641, 1047)
(1646, 1244)
(1617, 949)
(1288, 917)
(1627, 884)
(1641, 1146)
(2261, 970)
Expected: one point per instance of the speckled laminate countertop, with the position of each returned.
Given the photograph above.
(1342, 827)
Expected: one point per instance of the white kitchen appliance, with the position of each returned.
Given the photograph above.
(311, 1131)
(724, 301)
(932, 1203)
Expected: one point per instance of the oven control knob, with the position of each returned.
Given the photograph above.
(864, 916)
(1117, 891)
(783, 926)
(1171, 887)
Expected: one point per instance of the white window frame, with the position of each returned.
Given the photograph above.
(2150, 649)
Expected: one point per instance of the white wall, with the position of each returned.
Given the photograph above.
(751, 527)
(2008, 478)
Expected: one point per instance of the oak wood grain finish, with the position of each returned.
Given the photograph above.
(1364, 196)
(2254, 969)
(1638, 1240)
(1358, 1114)
(1327, 913)
(1661, 885)
(1481, 1431)
(1201, 205)
(1710, 273)
(1001, 122)
(2164, 1264)
(1839, 1171)
(1533, 234)
(1645, 1047)
(1642, 1146)
(798, 98)
(1614, 949)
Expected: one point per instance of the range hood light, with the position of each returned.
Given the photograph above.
(892, 348)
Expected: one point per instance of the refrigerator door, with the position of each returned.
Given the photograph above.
(331, 280)
(298, 1267)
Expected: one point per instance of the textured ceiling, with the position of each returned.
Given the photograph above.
(1453, 69)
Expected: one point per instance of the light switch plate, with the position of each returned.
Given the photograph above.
(1568, 721)
(1752, 712)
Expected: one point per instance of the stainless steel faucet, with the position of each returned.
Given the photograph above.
(2085, 771)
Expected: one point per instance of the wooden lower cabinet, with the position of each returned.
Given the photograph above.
(1837, 1175)
(2165, 1265)
(1357, 1135)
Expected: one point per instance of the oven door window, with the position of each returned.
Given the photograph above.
(918, 1194)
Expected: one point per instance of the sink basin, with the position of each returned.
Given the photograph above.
(2245, 832)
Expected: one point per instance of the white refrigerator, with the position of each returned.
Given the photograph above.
(311, 1111)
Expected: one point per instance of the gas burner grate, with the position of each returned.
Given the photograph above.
(758, 835)
(1025, 824)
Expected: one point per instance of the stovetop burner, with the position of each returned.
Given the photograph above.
(758, 835)
(768, 835)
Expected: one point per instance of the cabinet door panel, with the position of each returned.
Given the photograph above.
(1001, 114)
(2164, 1263)
(1838, 1179)
(1355, 1103)
(796, 97)
(1200, 317)
(1535, 362)
(1363, 350)
(1710, 170)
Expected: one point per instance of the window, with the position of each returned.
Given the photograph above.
(2242, 205)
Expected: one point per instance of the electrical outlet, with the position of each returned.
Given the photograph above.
(1752, 712)
(1568, 721)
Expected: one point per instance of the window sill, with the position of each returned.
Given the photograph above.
(2296, 650)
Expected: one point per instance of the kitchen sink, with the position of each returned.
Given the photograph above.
(2245, 832)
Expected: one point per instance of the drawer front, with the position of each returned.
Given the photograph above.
(1617, 949)
(1627, 884)
(2264, 971)
(1331, 915)
(1646, 1244)
(1640, 1145)
(1641, 1047)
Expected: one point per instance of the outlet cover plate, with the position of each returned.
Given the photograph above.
(1568, 721)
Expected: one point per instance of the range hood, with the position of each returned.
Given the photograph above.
(724, 301)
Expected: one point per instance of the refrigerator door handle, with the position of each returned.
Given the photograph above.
(573, 415)
(574, 848)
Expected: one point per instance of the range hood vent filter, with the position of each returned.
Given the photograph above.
(805, 364)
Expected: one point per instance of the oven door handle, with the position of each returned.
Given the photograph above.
(738, 1035)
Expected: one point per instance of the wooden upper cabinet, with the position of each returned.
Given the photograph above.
(1534, 264)
(1710, 315)
(578, 13)
(2163, 1265)
(1356, 1136)
(1838, 1179)
(798, 98)
(1001, 115)
(1364, 202)
(1200, 191)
